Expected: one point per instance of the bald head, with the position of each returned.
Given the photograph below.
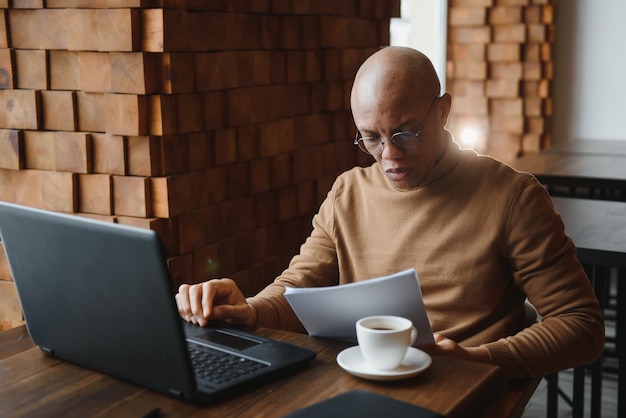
(395, 72)
(397, 90)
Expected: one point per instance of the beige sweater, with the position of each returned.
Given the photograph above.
(482, 237)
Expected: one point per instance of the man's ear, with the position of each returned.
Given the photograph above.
(445, 104)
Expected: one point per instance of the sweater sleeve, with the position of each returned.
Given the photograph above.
(545, 268)
(314, 266)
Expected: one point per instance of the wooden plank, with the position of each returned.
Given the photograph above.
(27, 188)
(23, 29)
(200, 147)
(225, 146)
(4, 32)
(118, 29)
(64, 70)
(306, 195)
(237, 181)
(247, 143)
(212, 182)
(37, 28)
(10, 309)
(189, 113)
(102, 218)
(179, 4)
(109, 154)
(164, 30)
(214, 108)
(161, 226)
(6, 184)
(131, 196)
(95, 72)
(59, 191)
(282, 167)
(171, 195)
(82, 34)
(152, 37)
(72, 152)
(207, 263)
(270, 31)
(164, 196)
(181, 269)
(31, 69)
(7, 65)
(95, 194)
(5, 270)
(15, 340)
(287, 203)
(241, 105)
(175, 154)
(278, 71)
(21, 109)
(195, 23)
(39, 150)
(11, 149)
(102, 4)
(295, 66)
(133, 72)
(144, 156)
(52, 29)
(162, 114)
(216, 71)
(223, 33)
(126, 114)
(198, 228)
(260, 176)
(262, 65)
(90, 108)
(176, 73)
(59, 110)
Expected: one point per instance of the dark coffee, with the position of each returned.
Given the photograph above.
(382, 328)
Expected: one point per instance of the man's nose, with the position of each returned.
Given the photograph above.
(391, 151)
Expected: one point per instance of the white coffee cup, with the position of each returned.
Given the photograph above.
(384, 340)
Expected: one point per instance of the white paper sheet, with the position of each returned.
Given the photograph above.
(332, 311)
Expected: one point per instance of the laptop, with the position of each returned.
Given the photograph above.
(100, 295)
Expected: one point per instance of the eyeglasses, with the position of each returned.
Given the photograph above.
(404, 140)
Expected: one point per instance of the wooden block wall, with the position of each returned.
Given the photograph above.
(221, 124)
(499, 71)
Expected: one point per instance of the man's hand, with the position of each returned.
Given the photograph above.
(446, 347)
(218, 299)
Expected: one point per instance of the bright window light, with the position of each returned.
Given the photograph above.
(469, 136)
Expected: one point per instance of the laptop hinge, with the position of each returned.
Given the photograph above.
(176, 393)
(47, 350)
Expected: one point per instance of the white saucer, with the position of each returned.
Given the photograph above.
(414, 363)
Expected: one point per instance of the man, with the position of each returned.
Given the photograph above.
(482, 237)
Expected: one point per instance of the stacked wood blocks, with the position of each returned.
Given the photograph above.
(219, 124)
(500, 70)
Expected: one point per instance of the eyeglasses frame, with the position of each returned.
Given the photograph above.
(358, 139)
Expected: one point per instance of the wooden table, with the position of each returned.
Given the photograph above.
(590, 147)
(598, 229)
(34, 384)
(578, 175)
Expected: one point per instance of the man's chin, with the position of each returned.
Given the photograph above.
(402, 183)
(401, 178)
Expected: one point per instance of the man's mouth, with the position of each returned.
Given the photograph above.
(396, 174)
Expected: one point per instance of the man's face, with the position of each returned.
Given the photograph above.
(382, 115)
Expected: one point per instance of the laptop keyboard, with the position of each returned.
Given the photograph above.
(218, 367)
